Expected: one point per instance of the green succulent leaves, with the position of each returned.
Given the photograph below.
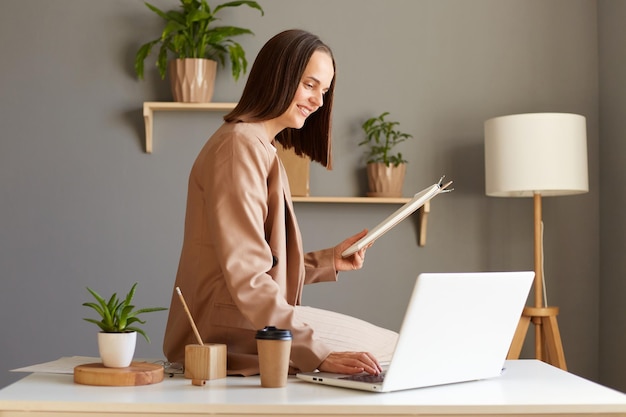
(118, 315)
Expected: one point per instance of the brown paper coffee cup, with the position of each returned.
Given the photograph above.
(274, 348)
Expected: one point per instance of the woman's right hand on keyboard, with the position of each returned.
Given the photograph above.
(351, 363)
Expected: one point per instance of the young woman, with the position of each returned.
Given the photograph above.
(242, 265)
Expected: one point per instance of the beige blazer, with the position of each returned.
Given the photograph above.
(242, 265)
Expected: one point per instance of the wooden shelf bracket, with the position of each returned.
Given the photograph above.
(149, 107)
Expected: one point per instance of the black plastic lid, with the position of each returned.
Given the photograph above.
(272, 333)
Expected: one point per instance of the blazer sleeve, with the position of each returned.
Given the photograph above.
(320, 266)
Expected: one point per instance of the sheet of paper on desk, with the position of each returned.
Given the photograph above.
(63, 365)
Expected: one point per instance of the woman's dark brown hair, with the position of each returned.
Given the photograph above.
(272, 83)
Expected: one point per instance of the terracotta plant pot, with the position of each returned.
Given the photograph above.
(192, 79)
(385, 181)
(117, 349)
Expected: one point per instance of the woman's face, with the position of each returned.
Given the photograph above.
(309, 96)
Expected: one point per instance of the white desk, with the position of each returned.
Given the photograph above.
(527, 387)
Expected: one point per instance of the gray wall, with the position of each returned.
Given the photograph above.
(612, 54)
(82, 205)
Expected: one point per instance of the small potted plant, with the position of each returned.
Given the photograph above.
(197, 46)
(385, 168)
(118, 327)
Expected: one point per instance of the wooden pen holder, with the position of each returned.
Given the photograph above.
(205, 362)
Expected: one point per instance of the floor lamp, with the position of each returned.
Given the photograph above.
(535, 155)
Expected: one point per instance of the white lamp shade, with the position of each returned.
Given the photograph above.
(536, 153)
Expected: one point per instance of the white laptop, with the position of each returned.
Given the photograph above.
(458, 327)
(418, 200)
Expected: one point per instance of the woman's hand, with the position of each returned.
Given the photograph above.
(354, 261)
(351, 363)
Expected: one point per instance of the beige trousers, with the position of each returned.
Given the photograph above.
(345, 333)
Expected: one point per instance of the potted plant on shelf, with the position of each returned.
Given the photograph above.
(118, 327)
(385, 169)
(197, 46)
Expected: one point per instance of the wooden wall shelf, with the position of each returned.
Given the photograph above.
(351, 200)
(422, 212)
(149, 107)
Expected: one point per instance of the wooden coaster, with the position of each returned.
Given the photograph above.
(138, 373)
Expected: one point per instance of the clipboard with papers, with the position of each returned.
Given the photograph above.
(418, 200)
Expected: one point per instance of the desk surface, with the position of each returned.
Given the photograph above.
(527, 387)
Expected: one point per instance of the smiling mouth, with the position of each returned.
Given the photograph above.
(305, 111)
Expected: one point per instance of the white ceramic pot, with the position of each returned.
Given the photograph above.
(117, 349)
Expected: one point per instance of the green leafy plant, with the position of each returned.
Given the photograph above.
(118, 315)
(189, 33)
(381, 137)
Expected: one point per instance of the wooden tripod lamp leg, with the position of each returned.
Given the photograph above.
(556, 356)
(545, 321)
(548, 344)
(518, 339)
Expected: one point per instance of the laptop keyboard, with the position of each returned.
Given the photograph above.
(365, 377)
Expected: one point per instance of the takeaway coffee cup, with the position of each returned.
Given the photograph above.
(274, 347)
